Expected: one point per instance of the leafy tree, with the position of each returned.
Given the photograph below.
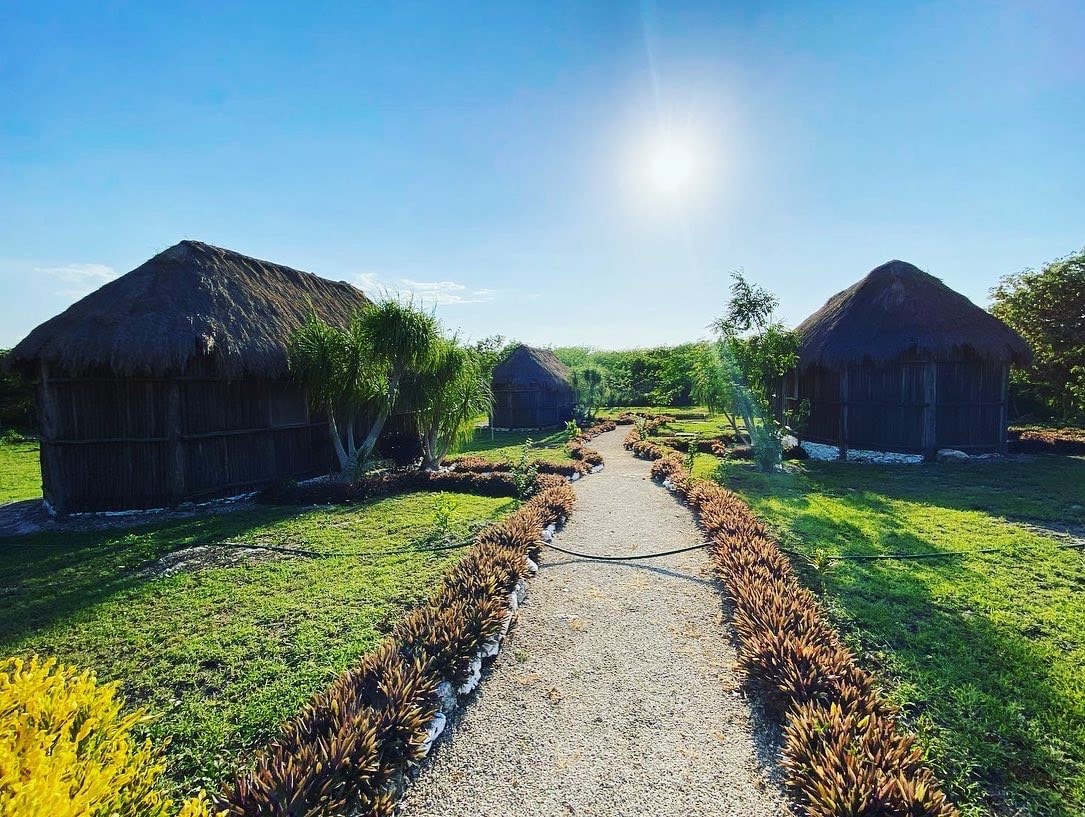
(638, 377)
(362, 367)
(492, 350)
(712, 387)
(447, 395)
(1047, 308)
(753, 352)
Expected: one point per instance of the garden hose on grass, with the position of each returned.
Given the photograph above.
(326, 554)
(595, 557)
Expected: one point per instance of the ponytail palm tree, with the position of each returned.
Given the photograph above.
(447, 395)
(588, 385)
(319, 359)
(394, 338)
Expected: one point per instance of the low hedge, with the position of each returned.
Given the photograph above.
(845, 753)
(583, 458)
(349, 750)
(478, 465)
(1063, 441)
(490, 481)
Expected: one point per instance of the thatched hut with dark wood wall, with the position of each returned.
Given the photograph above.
(532, 389)
(900, 362)
(171, 383)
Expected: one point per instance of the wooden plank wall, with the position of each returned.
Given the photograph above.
(909, 406)
(144, 443)
(531, 408)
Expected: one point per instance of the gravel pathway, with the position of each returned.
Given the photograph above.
(616, 694)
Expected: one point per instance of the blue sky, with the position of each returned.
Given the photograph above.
(492, 157)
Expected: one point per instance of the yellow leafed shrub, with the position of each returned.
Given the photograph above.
(67, 749)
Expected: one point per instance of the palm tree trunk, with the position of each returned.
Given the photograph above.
(375, 430)
(337, 442)
(352, 447)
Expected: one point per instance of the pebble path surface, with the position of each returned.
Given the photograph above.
(615, 694)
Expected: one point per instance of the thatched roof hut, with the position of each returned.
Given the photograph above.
(193, 304)
(901, 362)
(532, 389)
(171, 383)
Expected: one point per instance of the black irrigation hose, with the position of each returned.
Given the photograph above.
(857, 558)
(630, 558)
(635, 557)
(318, 554)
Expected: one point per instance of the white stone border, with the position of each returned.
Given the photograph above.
(820, 451)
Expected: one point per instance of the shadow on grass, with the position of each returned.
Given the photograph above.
(1048, 488)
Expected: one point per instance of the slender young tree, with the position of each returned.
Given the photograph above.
(754, 351)
(711, 386)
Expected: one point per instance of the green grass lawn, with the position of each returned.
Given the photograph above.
(507, 445)
(985, 652)
(712, 426)
(678, 412)
(688, 419)
(20, 472)
(224, 654)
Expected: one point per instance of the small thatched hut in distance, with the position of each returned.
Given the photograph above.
(900, 362)
(532, 389)
(171, 382)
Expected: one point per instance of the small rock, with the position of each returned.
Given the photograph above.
(951, 455)
(436, 727)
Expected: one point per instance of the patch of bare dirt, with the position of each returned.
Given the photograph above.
(202, 557)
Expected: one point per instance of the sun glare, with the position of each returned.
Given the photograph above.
(671, 167)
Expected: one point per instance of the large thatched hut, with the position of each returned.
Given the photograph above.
(900, 362)
(532, 389)
(171, 383)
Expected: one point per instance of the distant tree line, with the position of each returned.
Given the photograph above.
(659, 376)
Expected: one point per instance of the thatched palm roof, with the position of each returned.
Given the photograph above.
(190, 303)
(530, 368)
(900, 311)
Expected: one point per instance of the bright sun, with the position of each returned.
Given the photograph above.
(671, 167)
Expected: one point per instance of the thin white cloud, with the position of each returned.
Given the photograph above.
(433, 293)
(80, 279)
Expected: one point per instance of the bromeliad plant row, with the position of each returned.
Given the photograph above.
(845, 752)
(349, 750)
